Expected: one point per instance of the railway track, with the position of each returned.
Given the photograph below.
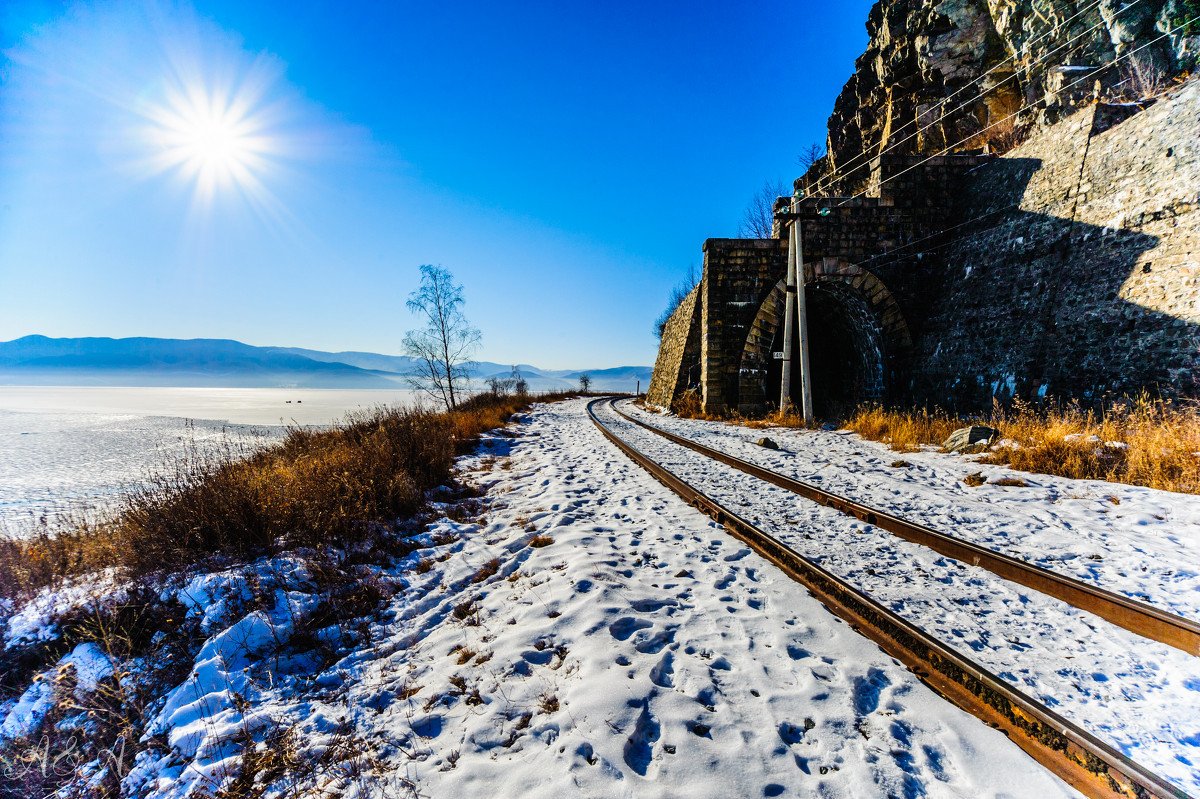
(1139, 618)
(1081, 759)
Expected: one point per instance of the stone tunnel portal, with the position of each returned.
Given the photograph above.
(854, 326)
(845, 352)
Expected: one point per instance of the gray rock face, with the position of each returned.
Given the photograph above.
(918, 84)
(968, 437)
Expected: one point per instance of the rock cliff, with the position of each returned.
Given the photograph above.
(981, 74)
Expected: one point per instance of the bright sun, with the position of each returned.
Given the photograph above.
(214, 140)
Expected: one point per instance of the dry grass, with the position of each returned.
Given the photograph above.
(687, 406)
(777, 418)
(1136, 441)
(337, 486)
(904, 431)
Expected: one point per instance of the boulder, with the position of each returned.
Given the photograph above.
(767, 443)
(968, 437)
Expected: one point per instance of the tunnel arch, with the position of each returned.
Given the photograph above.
(856, 334)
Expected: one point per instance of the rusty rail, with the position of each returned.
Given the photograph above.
(1079, 758)
(1136, 617)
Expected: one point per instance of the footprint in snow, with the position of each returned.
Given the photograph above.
(652, 605)
(639, 748)
(655, 643)
(626, 626)
(867, 691)
(660, 675)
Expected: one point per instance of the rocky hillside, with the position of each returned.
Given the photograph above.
(980, 74)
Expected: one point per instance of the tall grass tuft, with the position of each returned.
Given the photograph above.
(903, 431)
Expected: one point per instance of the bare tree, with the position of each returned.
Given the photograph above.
(810, 155)
(678, 295)
(500, 386)
(758, 221)
(520, 384)
(585, 383)
(444, 346)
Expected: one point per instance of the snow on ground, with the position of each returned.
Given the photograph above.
(1143, 697)
(647, 653)
(591, 636)
(1146, 545)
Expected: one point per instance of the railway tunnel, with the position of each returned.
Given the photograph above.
(845, 352)
(856, 333)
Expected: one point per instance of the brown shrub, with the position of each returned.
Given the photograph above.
(777, 418)
(539, 541)
(317, 487)
(687, 405)
(488, 569)
(1141, 441)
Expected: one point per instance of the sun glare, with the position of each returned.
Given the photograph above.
(214, 140)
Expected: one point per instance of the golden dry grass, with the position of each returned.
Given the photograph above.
(1139, 441)
(903, 431)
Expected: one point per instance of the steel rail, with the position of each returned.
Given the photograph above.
(1136, 617)
(1081, 759)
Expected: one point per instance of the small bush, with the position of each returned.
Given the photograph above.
(488, 569)
(539, 541)
(687, 406)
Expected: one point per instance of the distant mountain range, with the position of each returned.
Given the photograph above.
(39, 360)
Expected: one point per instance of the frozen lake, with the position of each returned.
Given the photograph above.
(67, 447)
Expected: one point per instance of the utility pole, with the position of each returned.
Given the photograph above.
(789, 321)
(802, 312)
(795, 311)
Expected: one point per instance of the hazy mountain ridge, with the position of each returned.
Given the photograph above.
(40, 360)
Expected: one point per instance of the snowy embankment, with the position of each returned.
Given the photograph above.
(1141, 696)
(1140, 542)
(588, 635)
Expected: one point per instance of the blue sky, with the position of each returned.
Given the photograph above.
(564, 160)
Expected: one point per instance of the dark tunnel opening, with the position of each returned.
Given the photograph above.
(845, 352)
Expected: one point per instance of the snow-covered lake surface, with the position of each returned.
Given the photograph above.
(63, 448)
(243, 406)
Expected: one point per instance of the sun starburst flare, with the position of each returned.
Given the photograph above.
(215, 140)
